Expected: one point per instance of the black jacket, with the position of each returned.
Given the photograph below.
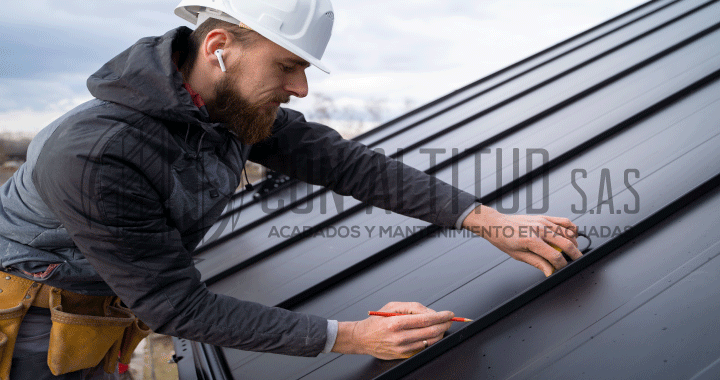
(136, 178)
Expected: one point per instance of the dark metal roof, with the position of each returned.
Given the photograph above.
(627, 114)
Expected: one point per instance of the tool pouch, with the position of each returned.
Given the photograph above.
(16, 296)
(84, 332)
(136, 332)
(9, 326)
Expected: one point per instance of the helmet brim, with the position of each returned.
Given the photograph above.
(192, 17)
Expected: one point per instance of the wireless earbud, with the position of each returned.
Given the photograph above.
(219, 53)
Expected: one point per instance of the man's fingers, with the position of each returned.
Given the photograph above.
(399, 336)
(552, 255)
(565, 222)
(417, 321)
(536, 261)
(552, 229)
(408, 342)
(415, 340)
(424, 333)
(406, 308)
(561, 243)
(571, 236)
(564, 237)
(434, 332)
(571, 231)
(419, 345)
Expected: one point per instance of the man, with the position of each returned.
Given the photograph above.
(116, 194)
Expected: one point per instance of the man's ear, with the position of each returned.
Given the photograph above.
(216, 39)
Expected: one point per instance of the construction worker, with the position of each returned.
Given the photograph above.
(97, 226)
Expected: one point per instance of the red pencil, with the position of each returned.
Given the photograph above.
(381, 314)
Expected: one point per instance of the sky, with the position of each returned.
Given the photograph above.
(401, 54)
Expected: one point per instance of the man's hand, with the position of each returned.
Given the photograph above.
(393, 337)
(527, 238)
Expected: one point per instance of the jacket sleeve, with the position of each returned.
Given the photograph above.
(108, 201)
(317, 154)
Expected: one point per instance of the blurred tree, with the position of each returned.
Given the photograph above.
(323, 108)
(352, 123)
(13, 146)
(375, 108)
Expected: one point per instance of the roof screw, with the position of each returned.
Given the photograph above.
(7, 277)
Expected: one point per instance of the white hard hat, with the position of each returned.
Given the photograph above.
(300, 26)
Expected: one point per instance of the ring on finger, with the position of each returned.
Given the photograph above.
(425, 343)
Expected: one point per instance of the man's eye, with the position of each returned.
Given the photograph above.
(285, 68)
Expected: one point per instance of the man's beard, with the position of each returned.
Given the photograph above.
(250, 123)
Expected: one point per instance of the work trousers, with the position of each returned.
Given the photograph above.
(31, 349)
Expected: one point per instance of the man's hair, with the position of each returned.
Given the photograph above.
(245, 37)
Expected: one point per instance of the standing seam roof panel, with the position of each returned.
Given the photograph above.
(645, 109)
(633, 24)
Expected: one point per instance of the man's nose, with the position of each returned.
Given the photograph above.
(297, 85)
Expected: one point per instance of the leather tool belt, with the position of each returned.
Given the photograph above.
(85, 329)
